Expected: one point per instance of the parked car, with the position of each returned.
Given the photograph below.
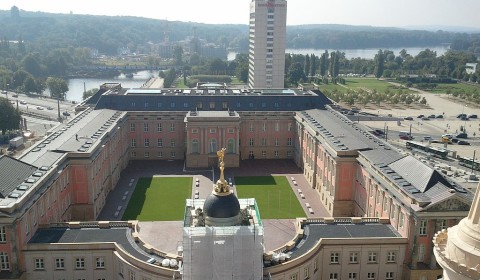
(461, 115)
(15, 95)
(462, 135)
(473, 116)
(439, 117)
(427, 138)
(420, 116)
(406, 137)
(425, 119)
(408, 118)
(464, 118)
(23, 102)
(462, 142)
(49, 108)
(455, 140)
(39, 108)
(66, 114)
(431, 116)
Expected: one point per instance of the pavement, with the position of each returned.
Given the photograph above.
(167, 235)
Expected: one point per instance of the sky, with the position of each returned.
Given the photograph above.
(389, 13)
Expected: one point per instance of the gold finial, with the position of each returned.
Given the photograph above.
(221, 186)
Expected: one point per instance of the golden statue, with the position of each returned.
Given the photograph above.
(222, 185)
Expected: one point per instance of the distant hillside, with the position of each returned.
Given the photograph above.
(43, 31)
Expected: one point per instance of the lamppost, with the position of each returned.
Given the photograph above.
(464, 118)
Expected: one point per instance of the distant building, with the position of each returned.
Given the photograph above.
(471, 68)
(268, 24)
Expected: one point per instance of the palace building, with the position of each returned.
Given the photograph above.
(387, 205)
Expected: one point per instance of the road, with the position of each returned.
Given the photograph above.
(31, 102)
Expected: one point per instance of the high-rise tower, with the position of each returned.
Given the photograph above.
(268, 25)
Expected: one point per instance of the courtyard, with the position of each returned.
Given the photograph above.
(158, 180)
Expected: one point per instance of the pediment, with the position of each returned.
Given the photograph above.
(451, 204)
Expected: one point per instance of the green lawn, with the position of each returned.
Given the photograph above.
(362, 83)
(273, 194)
(159, 199)
(442, 88)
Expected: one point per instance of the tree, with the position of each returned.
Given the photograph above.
(31, 64)
(9, 117)
(89, 93)
(379, 63)
(295, 73)
(57, 86)
(313, 65)
(323, 63)
(306, 68)
(178, 55)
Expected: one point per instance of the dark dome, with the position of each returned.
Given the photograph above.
(217, 206)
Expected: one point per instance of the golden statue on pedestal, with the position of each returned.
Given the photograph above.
(222, 185)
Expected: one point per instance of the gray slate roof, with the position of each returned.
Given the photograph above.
(121, 236)
(12, 173)
(314, 232)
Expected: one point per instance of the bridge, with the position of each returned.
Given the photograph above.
(131, 68)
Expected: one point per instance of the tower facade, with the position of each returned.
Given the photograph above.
(268, 25)
(458, 249)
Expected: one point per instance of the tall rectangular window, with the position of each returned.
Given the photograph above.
(145, 127)
(264, 141)
(3, 234)
(276, 141)
(391, 257)
(353, 257)
(4, 262)
(389, 276)
(352, 276)
(371, 275)
(172, 143)
(172, 127)
(442, 224)
(250, 142)
(146, 143)
(333, 276)
(277, 126)
(79, 263)
(59, 264)
(372, 257)
(159, 142)
(100, 262)
(39, 264)
(289, 142)
(133, 143)
(334, 257)
(422, 228)
(159, 127)
(132, 127)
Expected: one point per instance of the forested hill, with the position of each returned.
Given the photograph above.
(46, 31)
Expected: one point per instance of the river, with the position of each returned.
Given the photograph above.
(362, 53)
(76, 86)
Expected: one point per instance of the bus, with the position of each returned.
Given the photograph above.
(469, 163)
(427, 149)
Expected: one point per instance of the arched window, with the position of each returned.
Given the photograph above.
(213, 146)
(231, 146)
(194, 146)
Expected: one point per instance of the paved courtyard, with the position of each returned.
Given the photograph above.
(167, 235)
